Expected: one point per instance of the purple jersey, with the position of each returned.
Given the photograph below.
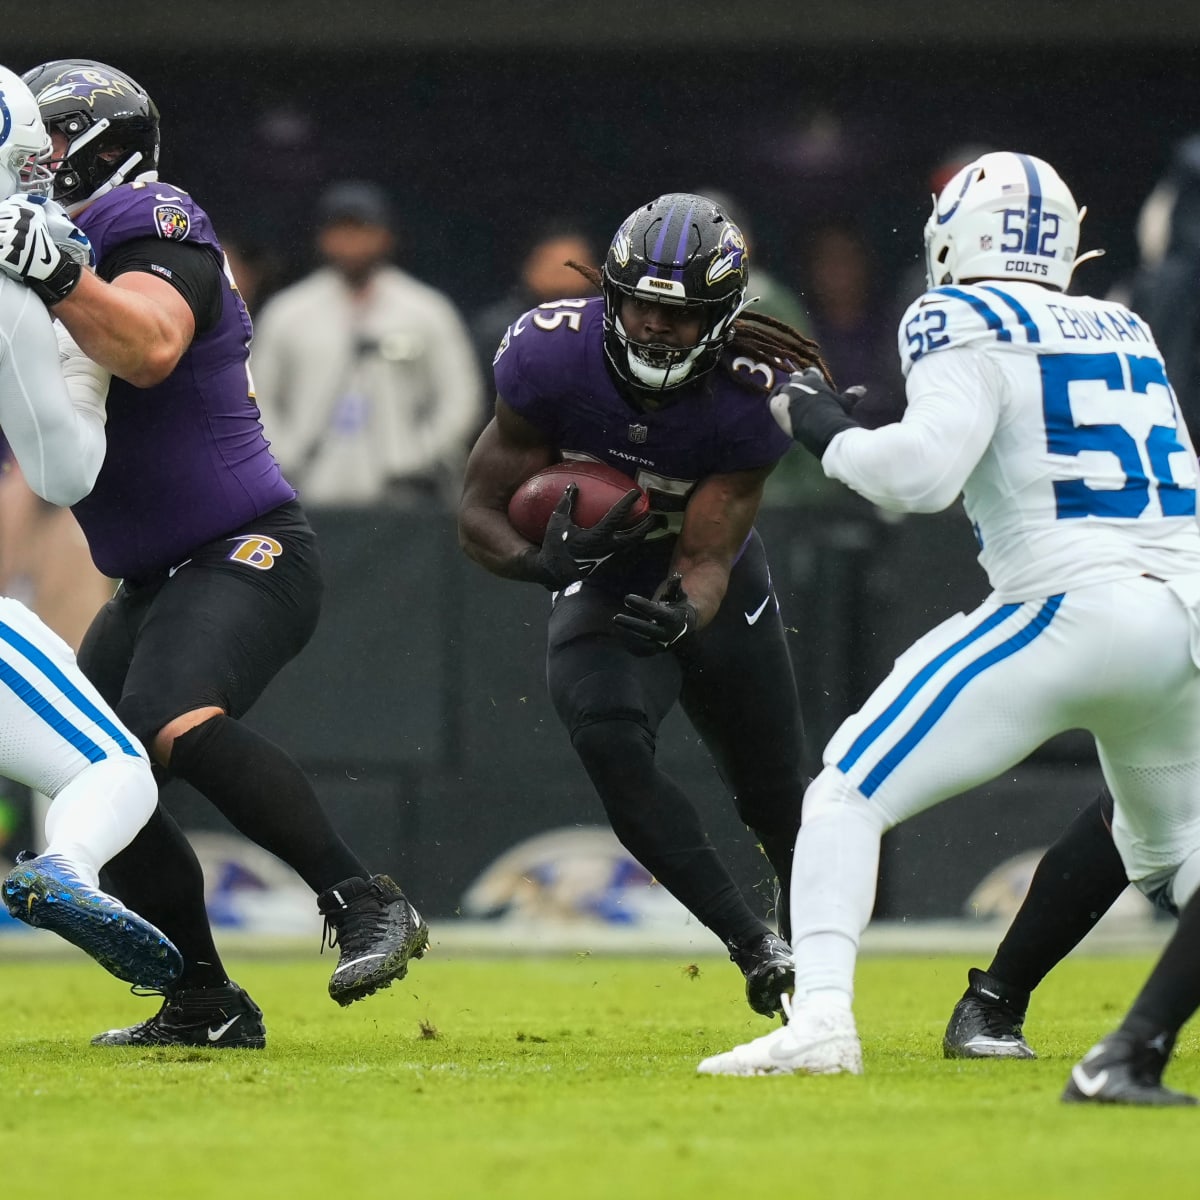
(552, 370)
(187, 460)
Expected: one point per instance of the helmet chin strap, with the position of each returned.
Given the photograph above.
(663, 378)
(115, 180)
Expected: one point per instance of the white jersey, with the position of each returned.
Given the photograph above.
(1053, 417)
(55, 425)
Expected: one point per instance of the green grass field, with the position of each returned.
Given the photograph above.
(571, 1077)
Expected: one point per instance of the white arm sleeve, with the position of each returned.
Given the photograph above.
(56, 432)
(921, 464)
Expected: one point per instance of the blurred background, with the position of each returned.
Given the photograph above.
(420, 707)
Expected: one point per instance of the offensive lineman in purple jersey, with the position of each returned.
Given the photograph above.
(221, 580)
(662, 380)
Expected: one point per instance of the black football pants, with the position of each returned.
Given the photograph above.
(735, 682)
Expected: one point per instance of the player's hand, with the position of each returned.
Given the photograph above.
(812, 412)
(30, 254)
(68, 237)
(569, 552)
(651, 626)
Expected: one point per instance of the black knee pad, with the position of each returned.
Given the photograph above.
(143, 716)
(614, 745)
(601, 697)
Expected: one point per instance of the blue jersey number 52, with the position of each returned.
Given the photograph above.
(1063, 436)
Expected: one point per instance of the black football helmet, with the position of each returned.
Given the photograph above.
(678, 249)
(110, 123)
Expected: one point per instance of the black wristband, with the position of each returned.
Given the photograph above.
(60, 285)
(819, 424)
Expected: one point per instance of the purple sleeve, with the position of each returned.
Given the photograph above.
(749, 436)
(146, 210)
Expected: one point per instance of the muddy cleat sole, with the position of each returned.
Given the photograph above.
(216, 1018)
(1123, 1069)
(987, 1022)
(377, 933)
(47, 893)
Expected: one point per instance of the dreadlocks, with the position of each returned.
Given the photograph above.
(755, 334)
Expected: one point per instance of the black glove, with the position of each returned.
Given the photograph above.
(808, 410)
(569, 552)
(29, 253)
(651, 626)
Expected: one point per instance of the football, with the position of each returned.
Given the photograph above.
(600, 487)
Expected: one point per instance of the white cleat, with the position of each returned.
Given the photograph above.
(817, 1040)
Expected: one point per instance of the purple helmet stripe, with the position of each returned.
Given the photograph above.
(682, 246)
(662, 234)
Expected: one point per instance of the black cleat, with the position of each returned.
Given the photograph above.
(377, 931)
(1124, 1069)
(218, 1018)
(770, 972)
(986, 1022)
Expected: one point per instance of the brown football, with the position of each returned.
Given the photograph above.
(600, 487)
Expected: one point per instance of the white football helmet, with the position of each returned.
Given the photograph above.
(1004, 216)
(24, 142)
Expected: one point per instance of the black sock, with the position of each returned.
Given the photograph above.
(159, 877)
(1172, 993)
(780, 851)
(1075, 884)
(265, 795)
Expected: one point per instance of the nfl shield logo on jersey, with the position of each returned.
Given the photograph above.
(638, 433)
(172, 222)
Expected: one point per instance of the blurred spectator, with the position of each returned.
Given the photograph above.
(1166, 287)
(849, 323)
(851, 329)
(772, 295)
(912, 280)
(366, 377)
(255, 269)
(543, 275)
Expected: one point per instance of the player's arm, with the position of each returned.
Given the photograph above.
(51, 403)
(716, 523)
(508, 451)
(139, 325)
(922, 463)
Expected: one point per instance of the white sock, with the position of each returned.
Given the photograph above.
(100, 812)
(833, 883)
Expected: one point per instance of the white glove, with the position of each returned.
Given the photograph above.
(87, 382)
(68, 237)
(29, 253)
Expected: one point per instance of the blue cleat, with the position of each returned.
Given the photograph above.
(48, 893)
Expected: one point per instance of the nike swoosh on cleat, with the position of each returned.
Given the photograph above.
(355, 961)
(758, 612)
(1089, 1085)
(215, 1035)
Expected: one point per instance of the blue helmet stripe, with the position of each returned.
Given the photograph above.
(993, 321)
(1033, 224)
(1027, 323)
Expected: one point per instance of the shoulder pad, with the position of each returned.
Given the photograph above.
(963, 315)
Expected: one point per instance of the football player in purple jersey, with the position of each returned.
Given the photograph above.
(221, 580)
(663, 378)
